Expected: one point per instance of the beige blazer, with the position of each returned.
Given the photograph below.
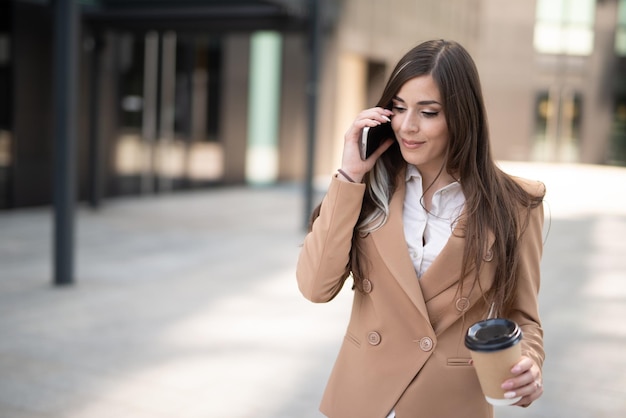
(404, 344)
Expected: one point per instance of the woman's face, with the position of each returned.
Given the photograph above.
(420, 124)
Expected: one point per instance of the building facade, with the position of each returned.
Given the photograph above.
(203, 93)
(553, 71)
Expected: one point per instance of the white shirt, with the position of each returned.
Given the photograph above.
(426, 233)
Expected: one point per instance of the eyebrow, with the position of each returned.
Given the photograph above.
(421, 103)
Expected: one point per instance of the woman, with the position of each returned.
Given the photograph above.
(435, 238)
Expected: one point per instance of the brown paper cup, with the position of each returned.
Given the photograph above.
(495, 347)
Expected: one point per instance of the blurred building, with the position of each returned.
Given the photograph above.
(201, 93)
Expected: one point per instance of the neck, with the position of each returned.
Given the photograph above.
(435, 179)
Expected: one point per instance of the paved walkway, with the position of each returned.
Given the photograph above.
(186, 306)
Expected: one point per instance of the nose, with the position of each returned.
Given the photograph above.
(410, 123)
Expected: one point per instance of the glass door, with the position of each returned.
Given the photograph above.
(169, 89)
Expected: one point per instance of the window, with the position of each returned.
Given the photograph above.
(620, 32)
(6, 98)
(169, 113)
(617, 149)
(565, 26)
(557, 125)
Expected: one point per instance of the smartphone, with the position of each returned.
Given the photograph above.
(371, 138)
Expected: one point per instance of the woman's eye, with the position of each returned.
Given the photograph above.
(430, 114)
(398, 109)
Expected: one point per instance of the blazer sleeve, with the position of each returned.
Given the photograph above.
(525, 310)
(321, 269)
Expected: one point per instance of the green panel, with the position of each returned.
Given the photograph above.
(264, 105)
(621, 14)
(265, 66)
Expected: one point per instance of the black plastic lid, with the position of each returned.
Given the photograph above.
(493, 335)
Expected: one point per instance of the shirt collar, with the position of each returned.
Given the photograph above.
(413, 172)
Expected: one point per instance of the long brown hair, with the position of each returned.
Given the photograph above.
(493, 199)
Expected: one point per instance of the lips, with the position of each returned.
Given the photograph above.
(412, 144)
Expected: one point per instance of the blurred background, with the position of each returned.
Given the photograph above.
(198, 93)
(180, 170)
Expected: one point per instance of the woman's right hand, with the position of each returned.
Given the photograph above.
(351, 162)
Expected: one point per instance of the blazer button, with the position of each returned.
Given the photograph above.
(373, 338)
(462, 304)
(426, 344)
(367, 285)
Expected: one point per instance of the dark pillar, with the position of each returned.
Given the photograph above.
(66, 36)
(315, 39)
(95, 139)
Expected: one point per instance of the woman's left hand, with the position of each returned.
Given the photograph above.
(527, 382)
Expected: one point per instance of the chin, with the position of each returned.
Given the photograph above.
(411, 157)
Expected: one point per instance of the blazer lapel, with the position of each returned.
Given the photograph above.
(391, 245)
(435, 293)
(445, 270)
(440, 282)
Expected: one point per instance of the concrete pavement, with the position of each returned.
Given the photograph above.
(186, 306)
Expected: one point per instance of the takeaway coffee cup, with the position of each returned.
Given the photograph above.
(495, 347)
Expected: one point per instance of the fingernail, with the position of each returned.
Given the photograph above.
(387, 118)
(510, 395)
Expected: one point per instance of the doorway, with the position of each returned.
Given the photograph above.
(168, 135)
